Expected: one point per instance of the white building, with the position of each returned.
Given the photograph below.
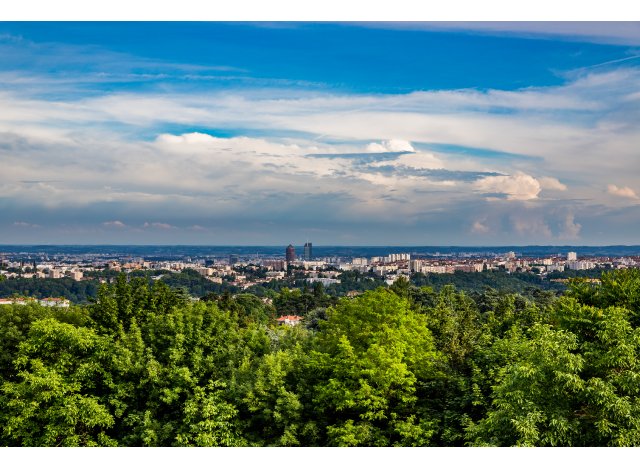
(579, 265)
(14, 301)
(55, 274)
(392, 258)
(276, 274)
(76, 275)
(572, 256)
(204, 271)
(555, 267)
(54, 302)
(437, 269)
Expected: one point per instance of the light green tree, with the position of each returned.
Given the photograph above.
(370, 358)
(59, 397)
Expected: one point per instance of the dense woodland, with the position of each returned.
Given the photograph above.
(144, 365)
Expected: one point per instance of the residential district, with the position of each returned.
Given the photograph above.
(236, 270)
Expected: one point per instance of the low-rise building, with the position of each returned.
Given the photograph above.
(204, 271)
(54, 302)
(76, 275)
(276, 274)
(55, 274)
(290, 320)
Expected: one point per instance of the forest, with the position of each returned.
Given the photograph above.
(146, 365)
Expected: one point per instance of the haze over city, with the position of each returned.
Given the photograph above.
(346, 134)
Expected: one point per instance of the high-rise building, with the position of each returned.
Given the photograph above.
(308, 251)
(572, 256)
(415, 265)
(290, 254)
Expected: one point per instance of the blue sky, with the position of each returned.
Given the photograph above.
(218, 133)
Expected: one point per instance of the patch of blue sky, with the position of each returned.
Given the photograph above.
(347, 57)
(224, 132)
(475, 152)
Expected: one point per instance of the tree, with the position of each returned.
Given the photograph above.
(369, 358)
(268, 399)
(574, 382)
(209, 420)
(60, 394)
(534, 400)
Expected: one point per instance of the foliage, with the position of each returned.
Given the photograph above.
(76, 291)
(368, 360)
(146, 365)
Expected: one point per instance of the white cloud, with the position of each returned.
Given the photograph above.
(530, 225)
(518, 187)
(551, 184)
(606, 32)
(479, 227)
(624, 191)
(570, 229)
(114, 223)
(393, 145)
(418, 161)
(198, 141)
(189, 138)
(160, 225)
(48, 163)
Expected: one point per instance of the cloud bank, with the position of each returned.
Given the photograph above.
(262, 164)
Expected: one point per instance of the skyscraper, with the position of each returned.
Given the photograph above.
(308, 251)
(290, 254)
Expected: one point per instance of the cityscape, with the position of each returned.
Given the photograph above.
(319, 234)
(243, 271)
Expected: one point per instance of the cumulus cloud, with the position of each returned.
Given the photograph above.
(518, 187)
(188, 138)
(195, 179)
(623, 191)
(114, 223)
(419, 161)
(530, 225)
(552, 184)
(160, 225)
(198, 140)
(479, 228)
(570, 229)
(393, 145)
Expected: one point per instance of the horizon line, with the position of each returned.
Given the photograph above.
(278, 246)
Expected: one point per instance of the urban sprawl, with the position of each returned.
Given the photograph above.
(233, 269)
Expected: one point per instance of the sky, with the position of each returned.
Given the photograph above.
(337, 133)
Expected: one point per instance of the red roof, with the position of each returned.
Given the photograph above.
(290, 317)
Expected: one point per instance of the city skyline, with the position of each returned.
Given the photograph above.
(347, 134)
